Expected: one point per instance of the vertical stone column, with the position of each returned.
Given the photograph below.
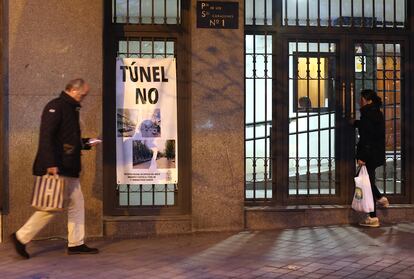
(217, 98)
(51, 42)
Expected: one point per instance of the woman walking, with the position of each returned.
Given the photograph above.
(371, 146)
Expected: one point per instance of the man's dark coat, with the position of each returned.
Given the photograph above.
(60, 141)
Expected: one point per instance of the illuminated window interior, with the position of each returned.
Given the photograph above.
(312, 83)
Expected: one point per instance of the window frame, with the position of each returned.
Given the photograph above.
(330, 94)
(281, 35)
(113, 33)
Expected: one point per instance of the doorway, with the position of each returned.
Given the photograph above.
(306, 62)
(323, 82)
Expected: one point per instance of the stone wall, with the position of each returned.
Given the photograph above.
(217, 98)
(49, 43)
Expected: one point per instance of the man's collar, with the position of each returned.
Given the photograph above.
(67, 98)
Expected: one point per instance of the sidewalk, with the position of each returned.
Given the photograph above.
(322, 252)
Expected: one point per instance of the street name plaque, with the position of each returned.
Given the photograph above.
(217, 15)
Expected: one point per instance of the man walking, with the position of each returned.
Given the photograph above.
(59, 152)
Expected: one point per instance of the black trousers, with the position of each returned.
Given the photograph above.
(375, 192)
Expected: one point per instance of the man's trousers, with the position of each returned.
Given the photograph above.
(76, 216)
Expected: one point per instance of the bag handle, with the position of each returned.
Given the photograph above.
(358, 169)
(363, 171)
(47, 175)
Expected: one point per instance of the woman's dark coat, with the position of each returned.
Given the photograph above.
(60, 141)
(371, 129)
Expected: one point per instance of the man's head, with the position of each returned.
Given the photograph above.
(77, 89)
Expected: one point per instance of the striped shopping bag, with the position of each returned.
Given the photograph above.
(48, 193)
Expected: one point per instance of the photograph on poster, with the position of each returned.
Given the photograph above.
(126, 121)
(144, 123)
(151, 128)
(153, 154)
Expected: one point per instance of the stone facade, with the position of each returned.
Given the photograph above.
(217, 105)
(47, 43)
(51, 42)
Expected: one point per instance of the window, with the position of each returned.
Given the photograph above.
(313, 82)
(146, 11)
(345, 13)
(312, 73)
(302, 81)
(146, 195)
(258, 116)
(144, 29)
(332, 13)
(382, 72)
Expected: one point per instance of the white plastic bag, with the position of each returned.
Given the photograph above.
(363, 200)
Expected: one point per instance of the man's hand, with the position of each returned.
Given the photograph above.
(360, 163)
(52, 170)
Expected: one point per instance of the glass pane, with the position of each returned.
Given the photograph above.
(311, 118)
(146, 11)
(258, 116)
(149, 48)
(378, 67)
(134, 195)
(258, 12)
(345, 13)
(123, 194)
(313, 82)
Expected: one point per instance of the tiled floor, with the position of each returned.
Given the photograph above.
(323, 252)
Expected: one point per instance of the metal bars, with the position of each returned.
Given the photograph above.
(318, 108)
(258, 118)
(378, 67)
(146, 195)
(356, 13)
(330, 13)
(159, 195)
(146, 48)
(312, 73)
(162, 12)
(258, 12)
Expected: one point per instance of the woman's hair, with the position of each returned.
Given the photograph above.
(369, 94)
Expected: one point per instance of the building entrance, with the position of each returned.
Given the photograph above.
(305, 67)
(325, 78)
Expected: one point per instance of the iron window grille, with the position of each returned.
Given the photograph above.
(268, 20)
(146, 11)
(138, 195)
(329, 13)
(378, 66)
(312, 74)
(145, 29)
(258, 117)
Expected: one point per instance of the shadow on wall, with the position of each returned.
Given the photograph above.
(214, 66)
(36, 74)
(217, 78)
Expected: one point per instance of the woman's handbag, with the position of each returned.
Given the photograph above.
(363, 200)
(48, 193)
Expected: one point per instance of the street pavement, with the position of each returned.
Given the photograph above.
(319, 252)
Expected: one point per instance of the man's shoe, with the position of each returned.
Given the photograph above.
(82, 249)
(19, 247)
(383, 202)
(370, 222)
